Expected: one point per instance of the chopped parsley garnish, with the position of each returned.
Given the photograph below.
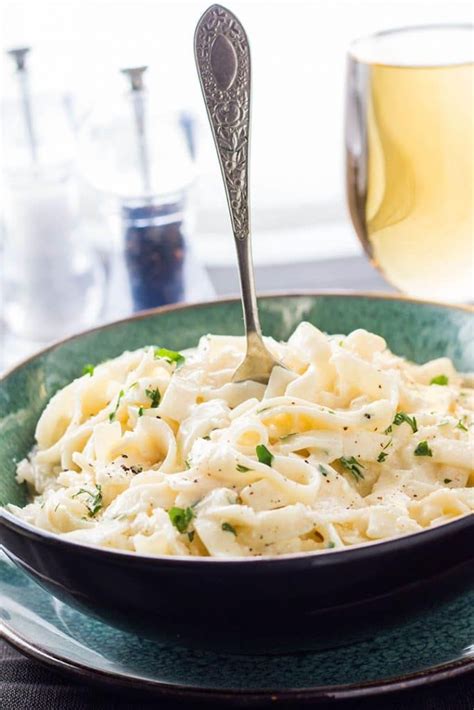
(88, 369)
(331, 544)
(423, 449)
(383, 454)
(112, 414)
(206, 438)
(264, 455)
(401, 417)
(170, 356)
(353, 466)
(140, 411)
(448, 480)
(388, 430)
(94, 502)
(154, 395)
(242, 469)
(461, 425)
(323, 469)
(227, 527)
(191, 535)
(187, 463)
(439, 380)
(181, 517)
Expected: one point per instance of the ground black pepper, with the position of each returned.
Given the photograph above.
(154, 253)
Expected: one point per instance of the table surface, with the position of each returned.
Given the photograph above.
(27, 685)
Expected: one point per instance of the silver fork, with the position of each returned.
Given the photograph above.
(223, 62)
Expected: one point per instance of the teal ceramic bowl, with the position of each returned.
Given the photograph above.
(249, 605)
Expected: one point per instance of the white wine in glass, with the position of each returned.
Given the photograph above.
(409, 157)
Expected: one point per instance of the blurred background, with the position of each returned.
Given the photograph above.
(299, 217)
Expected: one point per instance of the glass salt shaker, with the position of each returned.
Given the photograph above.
(53, 284)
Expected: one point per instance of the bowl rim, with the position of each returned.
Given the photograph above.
(319, 558)
(354, 551)
(266, 295)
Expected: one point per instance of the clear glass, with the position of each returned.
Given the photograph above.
(52, 282)
(111, 155)
(143, 172)
(53, 118)
(409, 157)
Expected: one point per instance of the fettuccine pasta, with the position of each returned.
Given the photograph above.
(160, 453)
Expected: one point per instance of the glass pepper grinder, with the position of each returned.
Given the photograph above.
(142, 156)
(153, 228)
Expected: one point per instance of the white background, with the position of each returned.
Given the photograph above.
(298, 65)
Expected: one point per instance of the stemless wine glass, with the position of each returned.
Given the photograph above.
(409, 156)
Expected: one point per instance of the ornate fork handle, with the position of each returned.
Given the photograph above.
(223, 60)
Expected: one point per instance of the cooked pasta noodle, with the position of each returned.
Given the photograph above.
(162, 454)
